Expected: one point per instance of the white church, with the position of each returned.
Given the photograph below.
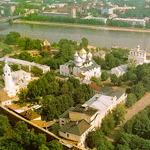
(82, 65)
(14, 80)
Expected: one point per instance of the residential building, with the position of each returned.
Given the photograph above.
(101, 54)
(120, 70)
(108, 11)
(82, 64)
(132, 21)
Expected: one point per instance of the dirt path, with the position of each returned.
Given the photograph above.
(138, 106)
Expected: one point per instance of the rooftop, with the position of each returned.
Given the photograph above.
(96, 86)
(66, 113)
(85, 110)
(4, 97)
(76, 127)
(40, 123)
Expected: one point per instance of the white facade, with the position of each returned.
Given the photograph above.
(138, 55)
(83, 64)
(10, 87)
(120, 70)
(132, 21)
(15, 80)
(107, 11)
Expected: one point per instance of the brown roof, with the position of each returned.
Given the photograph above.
(96, 86)
(40, 123)
(13, 107)
(29, 114)
(4, 97)
(80, 75)
(76, 127)
(100, 53)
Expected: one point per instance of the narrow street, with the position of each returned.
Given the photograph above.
(138, 106)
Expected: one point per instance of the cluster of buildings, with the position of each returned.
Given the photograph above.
(16, 80)
(135, 54)
(82, 65)
(77, 121)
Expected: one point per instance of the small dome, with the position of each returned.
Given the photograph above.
(89, 54)
(78, 60)
(46, 43)
(76, 54)
(82, 52)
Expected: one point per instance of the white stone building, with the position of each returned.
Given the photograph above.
(120, 70)
(14, 81)
(138, 55)
(82, 64)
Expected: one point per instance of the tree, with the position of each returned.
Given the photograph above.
(108, 124)
(114, 79)
(84, 42)
(97, 80)
(14, 67)
(119, 113)
(43, 147)
(37, 71)
(22, 95)
(4, 124)
(104, 76)
(12, 38)
(131, 99)
(55, 145)
(138, 90)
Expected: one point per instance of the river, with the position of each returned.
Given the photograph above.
(102, 38)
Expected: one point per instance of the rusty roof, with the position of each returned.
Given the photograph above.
(40, 123)
(96, 86)
(4, 97)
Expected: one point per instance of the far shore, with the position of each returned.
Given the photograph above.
(96, 27)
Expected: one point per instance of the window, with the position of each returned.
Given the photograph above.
(62, 124)
(8, 74)
(62, 120)
(67, 135)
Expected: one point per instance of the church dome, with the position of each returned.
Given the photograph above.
(78, 60)
(76, 54)
(82, 52)
(89, 55)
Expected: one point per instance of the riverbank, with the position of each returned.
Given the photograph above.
(82, 26)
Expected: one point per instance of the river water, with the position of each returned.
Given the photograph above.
(102, 38)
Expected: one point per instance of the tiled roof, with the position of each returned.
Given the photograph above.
(4, 97)
(13, 107)
(76, 127)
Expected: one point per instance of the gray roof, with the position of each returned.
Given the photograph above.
(111, 92)
(88, 111)
(76, 127)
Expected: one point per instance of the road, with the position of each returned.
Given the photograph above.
(3, 19)
(137, 107)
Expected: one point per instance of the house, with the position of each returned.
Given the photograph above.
(82, 64)
(15, 108)
(4, 98)
(104, 90)
(76, 122)
(120, 70)
(76, 131)
(42, 124)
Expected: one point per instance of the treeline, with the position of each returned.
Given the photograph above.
(57, 96)
(36, 17)
(20, 137)
(135, 133)
(66, 52)
(112, 59)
